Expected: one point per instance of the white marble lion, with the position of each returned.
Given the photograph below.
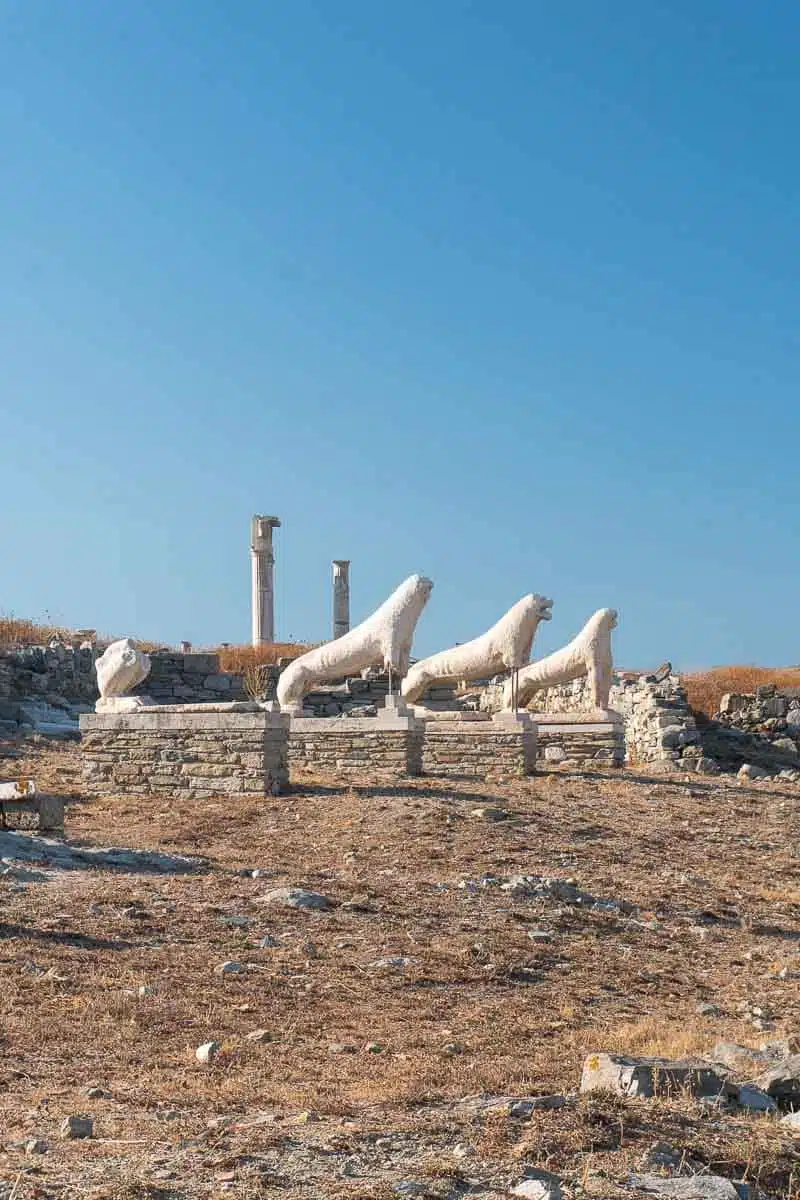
(383, 640)
(587, 654)
(119, 669)
(506, 646)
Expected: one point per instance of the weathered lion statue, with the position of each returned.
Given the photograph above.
(506, 646)
(119, 669)
(587, 654)
(383, 640)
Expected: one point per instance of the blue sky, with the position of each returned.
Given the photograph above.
(502, 293)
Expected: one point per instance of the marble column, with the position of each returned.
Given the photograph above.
(262, 561)
(341, 596)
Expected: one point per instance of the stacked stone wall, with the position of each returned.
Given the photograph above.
(581, 747)
(190, 679)
(187, 755)
(355, 747)
(659, 725)
(477, 750)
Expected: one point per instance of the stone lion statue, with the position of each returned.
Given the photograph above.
(383, 640)
(507, 645)
(119, 669)
(587, 654)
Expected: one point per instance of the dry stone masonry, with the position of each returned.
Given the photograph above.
(504, 747)
(187, 751)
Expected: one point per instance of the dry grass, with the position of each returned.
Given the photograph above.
(239, 659)
(19, 631)
(521, 1015)
(705, 689)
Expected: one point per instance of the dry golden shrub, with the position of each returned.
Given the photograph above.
(239, 659)
(19, 631)
(705, 689)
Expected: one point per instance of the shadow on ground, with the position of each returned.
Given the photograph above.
(62, 855)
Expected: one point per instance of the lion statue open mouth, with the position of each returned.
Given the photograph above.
(505, 647)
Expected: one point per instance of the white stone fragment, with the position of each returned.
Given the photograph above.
(383, 641)
(120, 669)
(206, 1053)
(588, 654)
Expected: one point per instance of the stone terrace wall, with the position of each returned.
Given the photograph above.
(660, 726)
(585, 746)
(59, 675)
(190, 679)
(762, 729)
(772, 712)
(478, 751)
(185, 754)
(42, 679)
(354, 746)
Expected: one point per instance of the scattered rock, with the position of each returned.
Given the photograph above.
(651, 1077)
(206, 1053)
(394, 962)
(259, 1035)
(563, 891)
(489, 814)
(781, 1048)
(373, 1048)
(268, 943)
(35, 1146)
(782, 1082)
(698, 1187)
(96, 1093)
(792, 1122)
(750, 771)
(292, 897)
(77, 1127)
(708, 1010)
(235, 922)
(230, 968)
(662, 1155)
(341, 1048)
(538, 1185)
(540, 935)
(745, 1062)
(755, 1100)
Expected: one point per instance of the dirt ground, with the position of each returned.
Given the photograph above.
(398, 1078)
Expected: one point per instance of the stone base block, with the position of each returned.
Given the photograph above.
(32, 810)
(386, 746)
(590, 739)
(186, 752)
(480, 749)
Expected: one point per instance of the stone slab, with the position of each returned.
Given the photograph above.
(594, 717)
(465, 716)
(209, 717)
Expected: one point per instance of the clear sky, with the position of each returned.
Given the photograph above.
(501, 292)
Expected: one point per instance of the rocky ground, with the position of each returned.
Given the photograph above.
(422, 1031)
